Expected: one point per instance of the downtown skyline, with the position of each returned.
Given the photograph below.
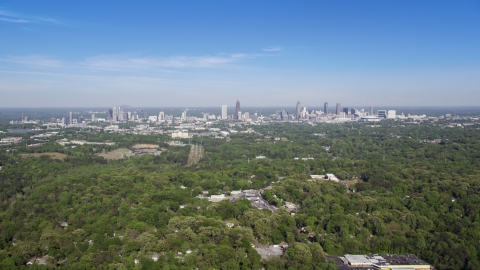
(360, 53)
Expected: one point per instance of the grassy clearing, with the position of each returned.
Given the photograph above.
(145, 146)
(115, 154)
(53, 155)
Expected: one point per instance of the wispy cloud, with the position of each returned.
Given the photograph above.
(34, 61)
(122, 62)
(47, 19)
(14, 20)
(273, 49)
(133, 64)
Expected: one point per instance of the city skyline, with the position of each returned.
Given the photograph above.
(376, 52)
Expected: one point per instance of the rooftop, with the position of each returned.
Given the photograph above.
(381, 261)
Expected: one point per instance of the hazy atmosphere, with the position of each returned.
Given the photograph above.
(268, 53)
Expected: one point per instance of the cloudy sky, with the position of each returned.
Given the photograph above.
(265, 53)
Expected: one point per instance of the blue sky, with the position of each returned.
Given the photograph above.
(265, 53)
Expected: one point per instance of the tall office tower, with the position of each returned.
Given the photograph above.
(370, 110)
(278, 115)
(247, 116)
(79, 119)
(161, 116)
(353, 111)
(345, 110)
(114, 114)
(224, 112)
(110, 114)
(304, 112)
(284, 115)
(93, 117)
(237, 109)
(299, 110)
(325, 108)
(129, 115)
(70, 118)
(120, 113)
(65, 121)
(338, 108)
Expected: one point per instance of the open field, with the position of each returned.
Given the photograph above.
(53, 155)
(145, 146)
(115, 154)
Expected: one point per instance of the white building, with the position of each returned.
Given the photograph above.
(391, 114)
(180, 134)
(224, 112)
(153, 118)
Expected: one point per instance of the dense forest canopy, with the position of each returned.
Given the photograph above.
(402, 193)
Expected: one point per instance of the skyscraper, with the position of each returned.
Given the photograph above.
(325, 108)
(338, 108)
(370, 110)
(299, 110)
(237, 109)
(224, 112)
(70, 121)
(114, 114)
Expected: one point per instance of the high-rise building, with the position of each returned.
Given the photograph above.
(114, 114)
(161, 116)
(93, 117)
(120, 114)
(70, 119)
(110, 114)
(299, 110)
(370, 110)
(278, 115)
(338, 109)
(304, 112)
(284, 115)
(246, 116)
(325, 108)
(224, 112)
(345, 110)
(237, 109)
